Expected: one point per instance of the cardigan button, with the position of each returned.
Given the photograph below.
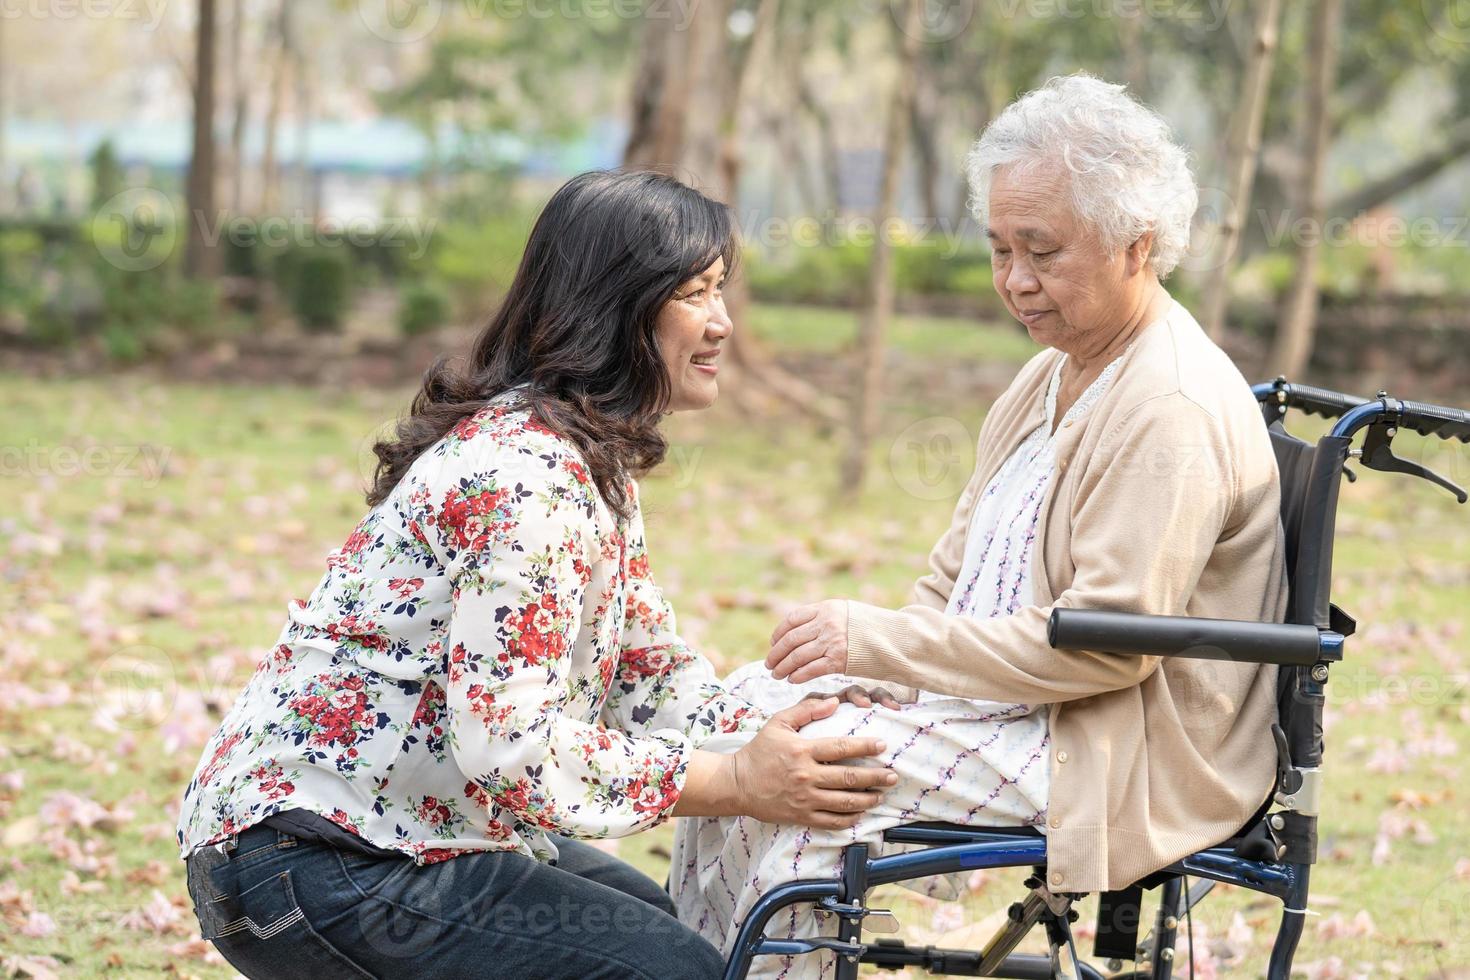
(1062, 756)
(1056, 877)
(1056, 823)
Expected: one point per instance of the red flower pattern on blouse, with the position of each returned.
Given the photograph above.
(453, 642)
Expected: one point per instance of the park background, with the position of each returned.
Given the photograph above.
(234, 232)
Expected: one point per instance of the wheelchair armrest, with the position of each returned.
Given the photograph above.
(1185, 636)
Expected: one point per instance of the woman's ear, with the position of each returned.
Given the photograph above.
(1137, 254)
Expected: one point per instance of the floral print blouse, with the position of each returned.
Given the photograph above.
(486, 659)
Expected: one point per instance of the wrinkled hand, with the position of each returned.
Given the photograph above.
(811, 641)
(862, 697)
(781, 777)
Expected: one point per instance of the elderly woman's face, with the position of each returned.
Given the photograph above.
(1052, 272)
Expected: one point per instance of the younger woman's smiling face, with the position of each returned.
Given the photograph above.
(691, 329)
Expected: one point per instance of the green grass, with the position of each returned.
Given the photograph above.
(153, 593)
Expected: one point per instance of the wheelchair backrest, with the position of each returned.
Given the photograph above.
(1310, 478)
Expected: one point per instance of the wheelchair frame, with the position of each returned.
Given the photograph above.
(1274, 852)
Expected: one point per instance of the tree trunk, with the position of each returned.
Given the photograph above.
(270, 168)
(1240, 164)
(1292, 347)
(962, 192)
(925, 121)
(1135, 60)
(755, 364)
(663, 88)
(878, 303)
(201, 259)
(650, 82)
(674, 67)
(827, 138)
(241, 94)
(304, 104)
(5, 186)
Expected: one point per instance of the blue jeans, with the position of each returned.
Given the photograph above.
(277, 906)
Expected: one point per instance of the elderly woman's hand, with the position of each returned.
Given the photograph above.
(809, 642)
(861, 696)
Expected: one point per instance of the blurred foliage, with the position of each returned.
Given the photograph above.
(107, 175)
(63, 290)
(316, 279)
(476, 259)
(834, 274)
(423, 307)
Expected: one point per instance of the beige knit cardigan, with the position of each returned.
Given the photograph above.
(1166, 500)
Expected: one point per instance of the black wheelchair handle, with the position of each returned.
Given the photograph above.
(1436, 420)
(1183, 636)
(1420, 417)
(1321, 401)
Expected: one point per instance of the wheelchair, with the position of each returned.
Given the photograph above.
(1272, 854)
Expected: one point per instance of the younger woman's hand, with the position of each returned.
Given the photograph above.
(781, 777)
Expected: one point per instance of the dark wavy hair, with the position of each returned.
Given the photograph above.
(577, 328)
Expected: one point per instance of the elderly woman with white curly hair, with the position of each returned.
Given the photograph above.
(1125, 468)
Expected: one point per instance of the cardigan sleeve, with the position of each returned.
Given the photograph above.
(520, 537)
(1148, 511)
(660, 682)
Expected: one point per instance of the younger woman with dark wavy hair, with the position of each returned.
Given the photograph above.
(487, 669)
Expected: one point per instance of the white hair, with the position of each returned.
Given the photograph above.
(1128, 176)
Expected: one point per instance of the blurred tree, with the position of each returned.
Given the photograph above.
(240, 96)
(1240, 164)
(283, 40)
(490, 80)
(201, 259)
(1293, 342)
(877, 304)
(692, 108)
(107, 175)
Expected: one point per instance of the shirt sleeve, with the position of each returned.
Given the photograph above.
(660, 684)
(519, 536)
(1162, 478)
